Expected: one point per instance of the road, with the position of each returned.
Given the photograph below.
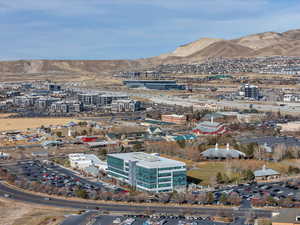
(55, 202)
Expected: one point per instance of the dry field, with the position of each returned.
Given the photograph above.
(15, 213)
(7, 124)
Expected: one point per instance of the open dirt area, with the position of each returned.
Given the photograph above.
(15, 213)
(7, 124)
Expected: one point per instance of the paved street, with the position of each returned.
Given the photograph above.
(31, 198)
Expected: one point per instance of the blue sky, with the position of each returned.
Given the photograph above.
(128, 29)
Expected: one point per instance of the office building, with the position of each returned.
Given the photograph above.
(250, 91)
(125, 105)
(66, 107)
(173, 118)
(147, 172)
(99, 99)
(89, 98)
(54, 87)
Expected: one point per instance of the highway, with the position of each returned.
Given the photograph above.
(130, 208)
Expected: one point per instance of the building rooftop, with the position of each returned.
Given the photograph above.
(265, 172)
(148, 160)
(222, 153)
(175, 115)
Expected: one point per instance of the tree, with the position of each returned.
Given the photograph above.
(234, 198)
(223, 199)
(58, 133)
(81, 193)
(219, 178)
(137, 147)
(249, 175)
(279, 152)
(84, 132)
(181, 143)
(210, 197)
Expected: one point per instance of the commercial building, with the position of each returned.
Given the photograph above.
(209, 128)
(99, 99)
(125, 105)
(250, 91)
(154, 84)
(45, 102)
(266, 174)
(173, 118)
(222, 153)
(54, 87)
(147, 172)
(89, 98)
(66, 107)
(82, 161)
(4, 155)
(291, 98)
(25, 101)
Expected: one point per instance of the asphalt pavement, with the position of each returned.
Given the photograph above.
(32, 198)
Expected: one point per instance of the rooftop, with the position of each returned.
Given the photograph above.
(265, 172)
(222, 153)
(148, 160)
(175, 115)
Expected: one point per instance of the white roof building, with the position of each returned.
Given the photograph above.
(82, 161)
(222, 153)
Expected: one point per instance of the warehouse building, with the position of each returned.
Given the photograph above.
(147, 172)
(154, 84)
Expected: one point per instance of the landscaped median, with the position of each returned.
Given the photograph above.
(114, 202)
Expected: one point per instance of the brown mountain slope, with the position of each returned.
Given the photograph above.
(191, 48)
(284, 48)
(69, 66)
(263, 44)
(222, 49)
(259, 41)
(292, 34)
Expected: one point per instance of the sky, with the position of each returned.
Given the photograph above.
(130, 29)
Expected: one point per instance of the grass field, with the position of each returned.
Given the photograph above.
(207, 171)
(7, 124)
(15, 213)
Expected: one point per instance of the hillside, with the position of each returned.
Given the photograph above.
(222, 49)
(191, 48)
(263, 44)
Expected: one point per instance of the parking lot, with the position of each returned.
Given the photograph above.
(155, 220)
(278, 191)
(57, 177)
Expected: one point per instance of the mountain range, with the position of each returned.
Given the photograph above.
(256, 45)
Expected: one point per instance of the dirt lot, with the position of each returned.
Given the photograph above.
(25, 123)
(15, 213)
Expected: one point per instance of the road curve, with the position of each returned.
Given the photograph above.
(55, 202)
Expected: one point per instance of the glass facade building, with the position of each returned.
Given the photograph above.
(147, 172)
